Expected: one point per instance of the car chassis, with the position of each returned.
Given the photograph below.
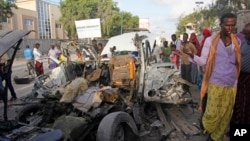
(121, 107)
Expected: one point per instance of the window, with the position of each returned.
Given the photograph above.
(6, 20)
(58, 26)
(43, 12)
(28, 22)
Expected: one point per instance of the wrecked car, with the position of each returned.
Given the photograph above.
(115, 98)
(12, 129)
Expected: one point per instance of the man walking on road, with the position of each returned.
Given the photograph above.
(38, 59)
(222, 58)
(28, 55)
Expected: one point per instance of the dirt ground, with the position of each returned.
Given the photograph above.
(192, 115)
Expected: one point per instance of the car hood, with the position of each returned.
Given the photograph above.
(9, 38)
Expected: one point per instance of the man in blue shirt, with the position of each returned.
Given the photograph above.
(28, 54)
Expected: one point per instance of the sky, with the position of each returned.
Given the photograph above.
(163, 15)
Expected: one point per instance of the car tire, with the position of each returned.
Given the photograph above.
(117, 126)
(22, 80)
(27, 111)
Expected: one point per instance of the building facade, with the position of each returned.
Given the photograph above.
(38, 15)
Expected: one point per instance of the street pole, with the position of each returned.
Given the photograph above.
(200, 19)
(121, 22)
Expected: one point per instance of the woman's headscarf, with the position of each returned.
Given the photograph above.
(193, 39)
(206, 33)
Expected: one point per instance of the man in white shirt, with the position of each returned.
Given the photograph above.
(176, 42)
(53, 53)
(157, 50)
(38, 59)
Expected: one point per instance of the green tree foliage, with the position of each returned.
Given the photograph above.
(73, 10)
(5, 9)
(206, 17)
(129, 21)
(120, 21)
(183, 20)
(110, 16)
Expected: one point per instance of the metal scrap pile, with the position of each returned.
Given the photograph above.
(116, 99)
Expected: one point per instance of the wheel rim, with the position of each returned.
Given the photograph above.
(119, 133)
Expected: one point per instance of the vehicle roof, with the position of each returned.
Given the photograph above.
(124, 42)
(9, 38)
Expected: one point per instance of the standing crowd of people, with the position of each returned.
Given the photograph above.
(225, 86)
(220, 64)
(174, 52)
(34, 58)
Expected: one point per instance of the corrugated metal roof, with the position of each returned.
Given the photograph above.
(9, 38)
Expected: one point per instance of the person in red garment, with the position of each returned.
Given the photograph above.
(38, 59)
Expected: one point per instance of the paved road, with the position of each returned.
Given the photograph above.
(19, 69)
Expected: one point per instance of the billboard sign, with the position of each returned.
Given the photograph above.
(144, 23)
(90, 28)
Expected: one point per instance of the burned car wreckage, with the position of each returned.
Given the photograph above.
(103, 99)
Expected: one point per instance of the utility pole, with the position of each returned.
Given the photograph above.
(199, 19)
(121, 22)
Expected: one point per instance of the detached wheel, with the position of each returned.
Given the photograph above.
(117, 126)
(29, 114)
(22, 80)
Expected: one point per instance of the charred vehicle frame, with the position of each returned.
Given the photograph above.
(108, 100)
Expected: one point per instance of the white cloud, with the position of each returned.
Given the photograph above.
(163, 14)
(176, 9)
(179, 7)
